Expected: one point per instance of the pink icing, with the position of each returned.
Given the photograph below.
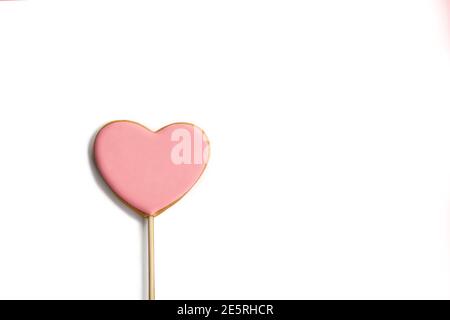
(143, 167)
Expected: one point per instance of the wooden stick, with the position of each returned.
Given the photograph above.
(151, 258)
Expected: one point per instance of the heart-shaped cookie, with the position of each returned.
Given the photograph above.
(150, 171)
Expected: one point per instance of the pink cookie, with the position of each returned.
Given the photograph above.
(150, 171)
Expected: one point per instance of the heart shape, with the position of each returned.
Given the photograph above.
(150, 171)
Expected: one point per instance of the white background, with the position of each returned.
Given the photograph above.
(330, 131)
